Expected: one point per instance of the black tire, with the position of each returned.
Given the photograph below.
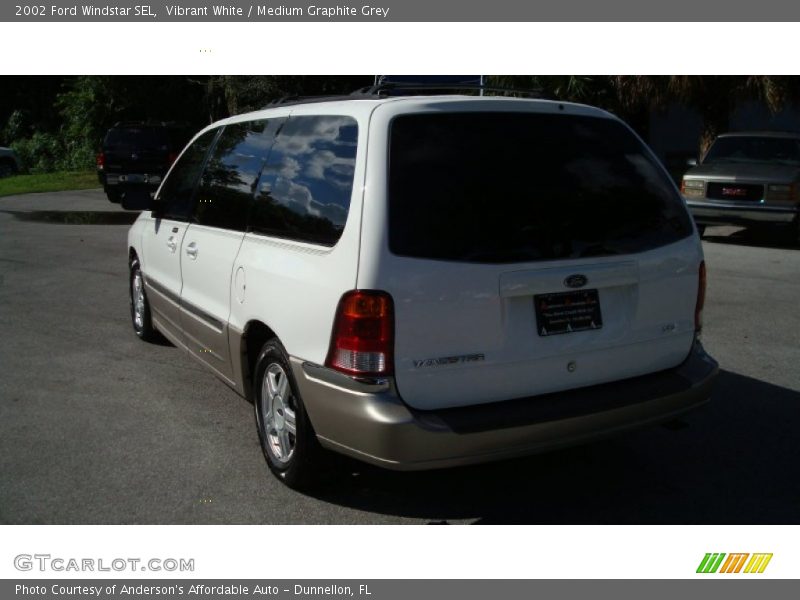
(143, 326)
(306, 463)
(114, 196)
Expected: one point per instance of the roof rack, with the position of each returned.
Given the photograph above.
(384, 89)
(289, 100)
(371, 92)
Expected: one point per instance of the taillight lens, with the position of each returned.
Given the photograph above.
(363, 334)
(701, 297)
(100, 159)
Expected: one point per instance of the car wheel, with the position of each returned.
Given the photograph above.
(287, 438)
(140, 307)
(114, 196)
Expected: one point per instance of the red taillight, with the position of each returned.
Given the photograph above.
(701, 298)
(683, 186)
(100, 159)
(363, 334)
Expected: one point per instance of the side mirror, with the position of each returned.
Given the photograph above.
(692, 162)
(137, 198)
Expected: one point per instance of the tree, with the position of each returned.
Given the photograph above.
(714, 97)
(226, 95)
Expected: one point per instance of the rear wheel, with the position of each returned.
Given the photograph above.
(140, 307)
(287, 438)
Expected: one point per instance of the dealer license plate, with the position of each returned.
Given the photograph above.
(567, 312)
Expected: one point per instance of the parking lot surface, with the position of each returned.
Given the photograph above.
(99, 427)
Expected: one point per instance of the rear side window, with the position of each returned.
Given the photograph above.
(232, 171)
(177, 191)
(518, 187)
(306, 187)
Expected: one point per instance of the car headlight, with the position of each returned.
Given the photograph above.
(780, 188)
(692, 187)
(782, 192)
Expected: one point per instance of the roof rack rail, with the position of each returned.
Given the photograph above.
(370, 92)
(293, 99)
(383, 89)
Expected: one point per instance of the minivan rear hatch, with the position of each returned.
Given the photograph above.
(530, 252)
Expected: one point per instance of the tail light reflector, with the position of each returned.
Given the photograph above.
(362, 342)
(100, 159)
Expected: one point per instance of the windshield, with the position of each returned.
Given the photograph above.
(516, 187)
(752, 149)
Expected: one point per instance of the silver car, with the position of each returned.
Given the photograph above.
(746, 178)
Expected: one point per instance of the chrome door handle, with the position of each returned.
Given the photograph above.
(191, 250)
(172, 244)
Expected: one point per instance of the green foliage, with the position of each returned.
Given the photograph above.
(48, 182)
(39, 153)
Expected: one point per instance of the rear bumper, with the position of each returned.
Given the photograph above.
(711, 212)
(371, 423)
(124, 179)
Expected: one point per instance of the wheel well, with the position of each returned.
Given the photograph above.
(255, 336)
(131, 255)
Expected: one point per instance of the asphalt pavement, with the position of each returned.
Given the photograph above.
(99, 427)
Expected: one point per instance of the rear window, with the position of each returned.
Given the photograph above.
(518, 187)
(137, 137)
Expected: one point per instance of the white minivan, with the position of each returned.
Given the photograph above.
(427, 281)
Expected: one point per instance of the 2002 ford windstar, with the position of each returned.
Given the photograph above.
(421, 282)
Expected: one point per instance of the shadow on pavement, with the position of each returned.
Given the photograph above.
(782, 237)
(65, 217)
(733, 461)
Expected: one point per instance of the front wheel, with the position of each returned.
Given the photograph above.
(287, 438)
(140, 307)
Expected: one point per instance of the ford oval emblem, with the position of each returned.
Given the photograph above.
(576, 281)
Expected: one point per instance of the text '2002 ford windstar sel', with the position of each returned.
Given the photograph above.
(427, 281)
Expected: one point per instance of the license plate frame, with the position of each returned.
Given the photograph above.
(560, 313)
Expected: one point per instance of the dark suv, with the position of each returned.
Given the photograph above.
(138, 154)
